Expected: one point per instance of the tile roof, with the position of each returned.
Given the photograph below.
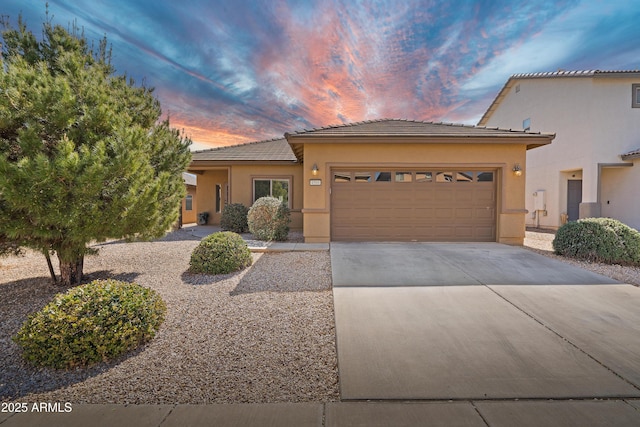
(277, 150)
(634, 154)
(550, 75)
(576, 73)
(403, 127)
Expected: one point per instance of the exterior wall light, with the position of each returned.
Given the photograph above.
(314, 169)
(517, 170)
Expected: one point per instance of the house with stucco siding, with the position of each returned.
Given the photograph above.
(592, 169)
(380, 180)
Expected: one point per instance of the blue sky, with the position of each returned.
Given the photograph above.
(236, 71)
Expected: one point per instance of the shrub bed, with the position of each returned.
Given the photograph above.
(234, 218)
(599, 239)
(220, 253)
(269, 219)
(92, 323)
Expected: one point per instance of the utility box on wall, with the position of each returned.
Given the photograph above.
(539, 200)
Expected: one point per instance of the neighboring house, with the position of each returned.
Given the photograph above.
(189, 202)
(592, 167)
(381, 180)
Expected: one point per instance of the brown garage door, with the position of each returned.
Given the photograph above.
(406, 205)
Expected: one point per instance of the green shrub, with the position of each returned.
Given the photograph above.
(220, 253)
(269, 219)
(600, 240)
(234, 218)
(92, 323)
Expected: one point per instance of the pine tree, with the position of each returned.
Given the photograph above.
(84, 154)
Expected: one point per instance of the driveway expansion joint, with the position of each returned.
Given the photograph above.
(565, 339)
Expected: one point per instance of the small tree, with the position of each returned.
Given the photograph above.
(84, 155)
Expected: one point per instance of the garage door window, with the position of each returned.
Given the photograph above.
(424, 176)
(363, 177)
(383, 176)
(404, 176)
(485, 176)
(444, 177)
(342, 177)
(464, 177)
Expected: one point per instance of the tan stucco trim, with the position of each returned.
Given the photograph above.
(297, 142)
(315, 211)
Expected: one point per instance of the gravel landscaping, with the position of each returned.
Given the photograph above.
(540, 241)
(265, 334)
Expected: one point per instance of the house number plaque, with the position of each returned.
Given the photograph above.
(315, 182)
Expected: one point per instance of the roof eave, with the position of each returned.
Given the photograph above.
(496, 101)
(210, 163)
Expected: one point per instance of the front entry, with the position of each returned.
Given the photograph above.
(574, 198)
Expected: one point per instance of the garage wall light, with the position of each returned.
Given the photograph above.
(314, 169)
(517, 170)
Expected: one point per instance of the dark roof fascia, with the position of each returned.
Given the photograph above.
(631, 156)
(384, 138)
(202, 163)
(580, 73)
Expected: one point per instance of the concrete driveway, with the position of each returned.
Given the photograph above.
(479, 322)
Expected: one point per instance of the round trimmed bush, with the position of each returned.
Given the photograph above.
(599, 239)
(234, 218)
(92, 323)
(220, 253)
(269, 219)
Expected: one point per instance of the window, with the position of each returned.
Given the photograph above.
(188, 203)
(278, 188)
(518, 88)
(635, 95)
(403, 176)
(424, 177)
(383, 176)
(218, 198)
(464, 177)
(526, 124)
(341, 177)
(485, 176)
(444, 177)
(363, 177)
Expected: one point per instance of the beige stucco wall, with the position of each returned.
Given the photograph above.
(241, 186)
(237, 186)
(393, 153)
(594, 123)
(620, 194)
(206, 194)
(189, 216)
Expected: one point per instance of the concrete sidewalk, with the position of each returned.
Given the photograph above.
(589, 413)
(202, 231)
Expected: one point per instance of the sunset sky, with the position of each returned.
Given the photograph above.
(236, 71)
